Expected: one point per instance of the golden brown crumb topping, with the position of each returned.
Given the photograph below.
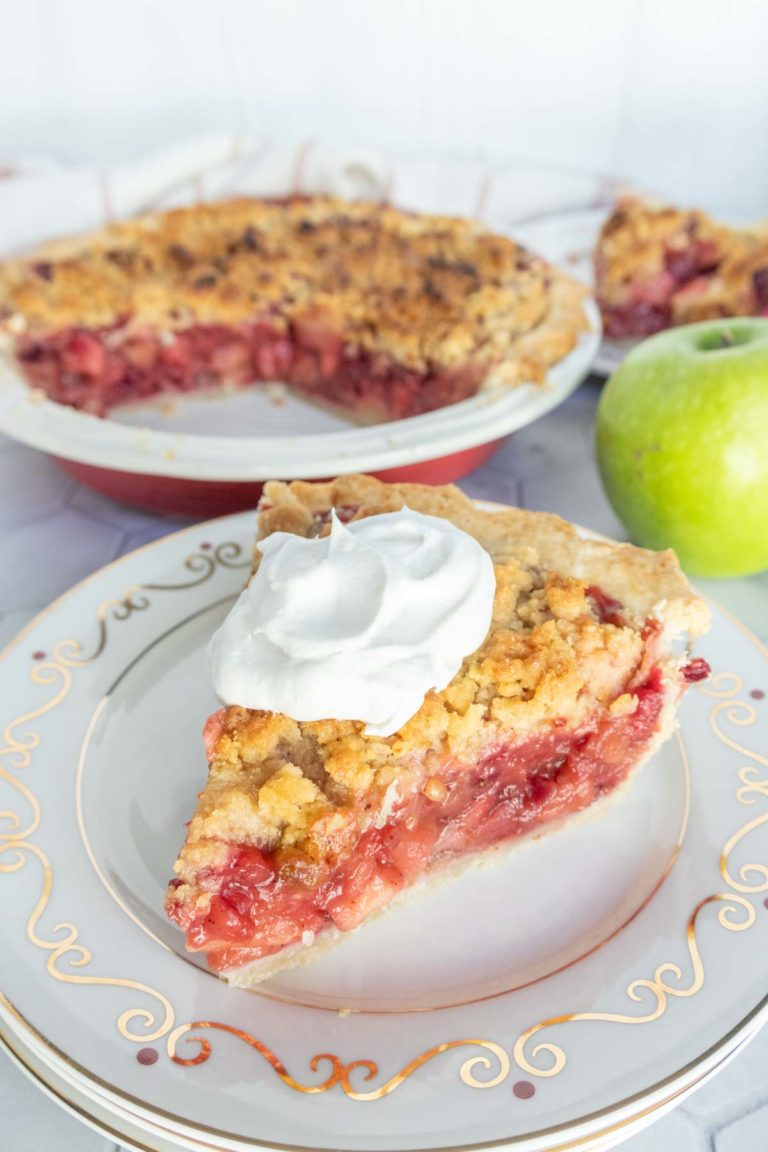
(551, 658)
(424, 289)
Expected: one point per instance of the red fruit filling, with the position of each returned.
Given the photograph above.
(265, 902)
(760, 288)
(609, 611)
(649, 308)
(96, 370)
(695, 670)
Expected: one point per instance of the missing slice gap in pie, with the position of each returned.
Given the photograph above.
(305, 829)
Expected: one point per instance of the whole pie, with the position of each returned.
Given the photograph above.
(658, 266)
(306, 829)
(375, 311)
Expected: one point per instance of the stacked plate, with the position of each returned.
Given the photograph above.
(564, 996)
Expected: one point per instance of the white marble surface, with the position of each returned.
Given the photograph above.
(56, 533)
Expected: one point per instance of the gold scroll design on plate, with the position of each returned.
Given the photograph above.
(201, 566)
(66, 955)
(495, 1066)
(736, 912)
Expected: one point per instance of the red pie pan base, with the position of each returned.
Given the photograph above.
(203, 499)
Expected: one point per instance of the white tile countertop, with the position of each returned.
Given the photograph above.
(56, 533)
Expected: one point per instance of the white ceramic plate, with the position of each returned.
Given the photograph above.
(570, 992)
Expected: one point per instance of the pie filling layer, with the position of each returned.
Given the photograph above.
(641, 317)
(263, 902)
(97, 370)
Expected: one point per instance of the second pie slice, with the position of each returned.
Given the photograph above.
(306, 828)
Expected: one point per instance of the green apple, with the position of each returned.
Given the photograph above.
(682, 445)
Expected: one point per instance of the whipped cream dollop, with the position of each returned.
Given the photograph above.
(356, 625)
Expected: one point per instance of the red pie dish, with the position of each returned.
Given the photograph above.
(380, 317)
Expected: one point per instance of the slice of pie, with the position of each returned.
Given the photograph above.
(306, 829)
(381, 313)
(657, 266)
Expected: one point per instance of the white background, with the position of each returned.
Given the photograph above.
(671, 94)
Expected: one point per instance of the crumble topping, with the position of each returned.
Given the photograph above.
(425, 290)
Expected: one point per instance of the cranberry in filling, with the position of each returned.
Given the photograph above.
(638, 319)
(696, 670)
(609, 610)
(265, 903)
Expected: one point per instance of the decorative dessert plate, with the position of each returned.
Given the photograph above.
(188, 456)
(566, 995)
